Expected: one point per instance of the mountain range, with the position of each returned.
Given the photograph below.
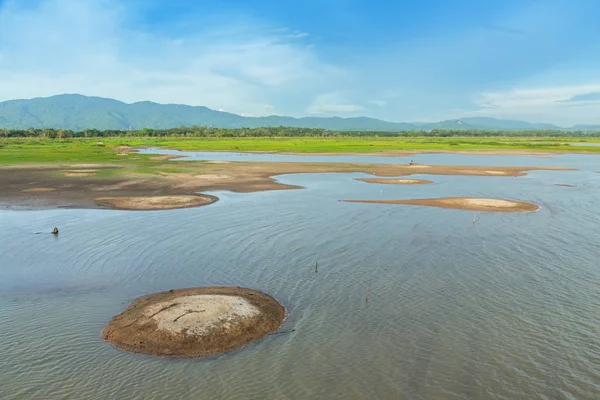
(78, 112)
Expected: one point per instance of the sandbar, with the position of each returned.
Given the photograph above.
(395, 181)
(463, 203)
(195, 322)
(80, 172)
(156, 202)
(39, 190)
(564, 184)
(174, 178)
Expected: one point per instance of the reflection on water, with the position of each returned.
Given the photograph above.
(507, 307)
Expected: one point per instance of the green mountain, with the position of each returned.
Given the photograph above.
(77, 112)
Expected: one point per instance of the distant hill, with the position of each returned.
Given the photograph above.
(77, 112)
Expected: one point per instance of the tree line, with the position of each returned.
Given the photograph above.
(281, 131)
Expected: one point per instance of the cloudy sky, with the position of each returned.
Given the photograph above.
(404, 60)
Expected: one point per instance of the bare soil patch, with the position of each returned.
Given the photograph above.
(463, 203)
(195, 322)
(396, 181)
(156, 202)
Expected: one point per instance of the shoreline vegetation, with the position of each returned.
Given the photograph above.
(84, 172)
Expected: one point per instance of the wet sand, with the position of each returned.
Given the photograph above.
(191, 178)
(195, 322)
(463, 203)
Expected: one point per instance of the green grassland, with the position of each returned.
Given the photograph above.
(32, 150)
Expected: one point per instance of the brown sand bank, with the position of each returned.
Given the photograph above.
(190, 177)
(39, 190)
(80, 172)
(463, 203)
(564, 184)
(156, 202)
(195, 322)
(395, 181)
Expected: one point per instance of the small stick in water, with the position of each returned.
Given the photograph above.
(368, 292)
(316, 267)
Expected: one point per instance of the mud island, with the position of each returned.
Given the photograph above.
(463, 203)
(130, 178)
(195, 322)
(156, 202)
(395, 181)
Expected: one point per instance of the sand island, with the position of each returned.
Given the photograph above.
(160, 178)
(463, 203)
(395, 181)
(195, 322)
(156, 202)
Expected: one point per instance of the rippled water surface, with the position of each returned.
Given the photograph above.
(461, 305)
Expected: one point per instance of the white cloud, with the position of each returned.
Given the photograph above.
(70, 46)
(544, 104)
(379, 103)
(332, 103)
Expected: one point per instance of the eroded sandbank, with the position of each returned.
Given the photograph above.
(39, 190)
(156, 202)
(195, 322)
(463, 203)
(395, 181)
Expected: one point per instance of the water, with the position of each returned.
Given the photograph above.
(506, 308)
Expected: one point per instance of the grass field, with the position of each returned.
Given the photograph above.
(30, 150)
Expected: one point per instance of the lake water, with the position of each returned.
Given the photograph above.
(507, 307)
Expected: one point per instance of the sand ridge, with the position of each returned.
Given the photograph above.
(463, 203)
(395, 181)
(39, 190)
(80, 172)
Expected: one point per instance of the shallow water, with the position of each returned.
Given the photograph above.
(461, 305)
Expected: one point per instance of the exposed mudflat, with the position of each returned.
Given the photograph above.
(195, 322)
(463, 203)
(79, 185)
(156, 202)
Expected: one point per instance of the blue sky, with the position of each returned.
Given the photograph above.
(427, 60)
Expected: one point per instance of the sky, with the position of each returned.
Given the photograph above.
(403, 60)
